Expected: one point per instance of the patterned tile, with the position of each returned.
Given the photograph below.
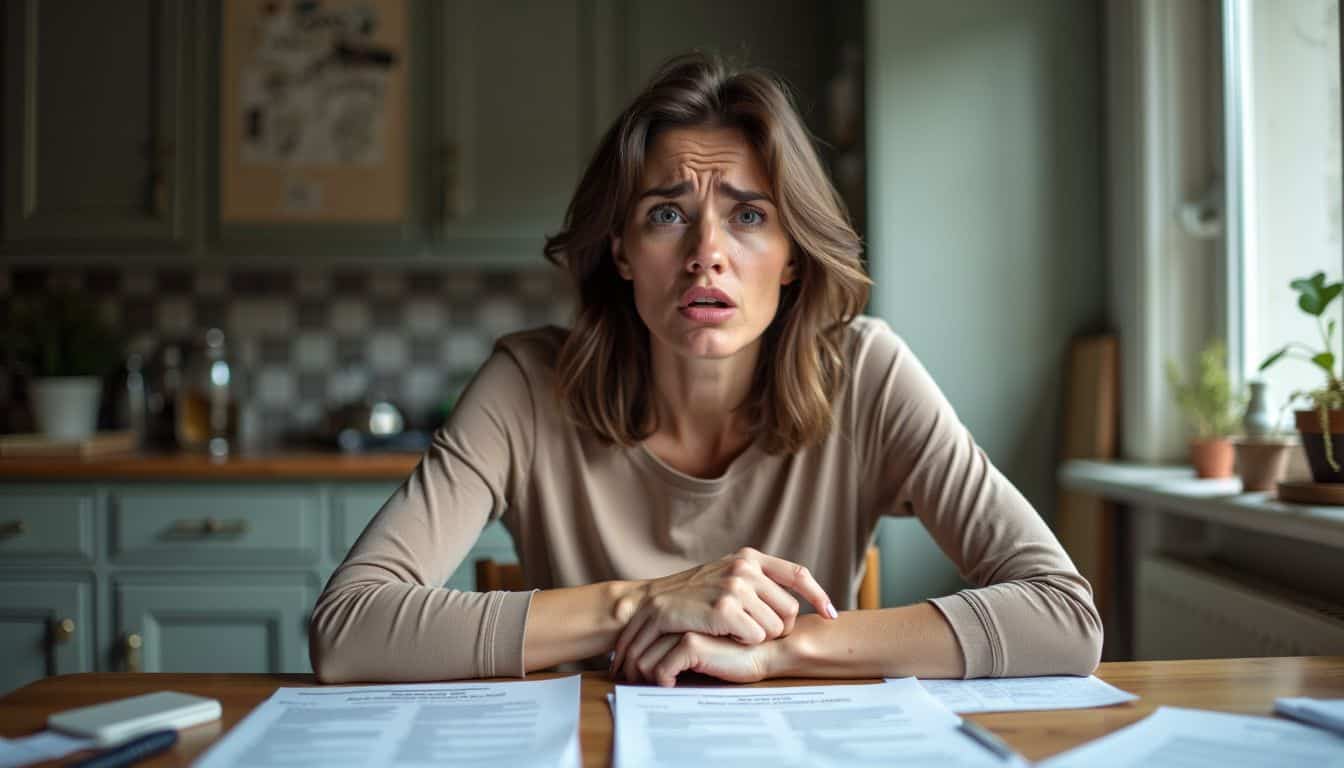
(314, 351)
(387, 352)
(424, 316)
(350, 316)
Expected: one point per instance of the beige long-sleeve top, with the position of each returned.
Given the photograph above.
(583, 511)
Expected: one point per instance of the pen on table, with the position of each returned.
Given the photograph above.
(988, 740)
(136, 749)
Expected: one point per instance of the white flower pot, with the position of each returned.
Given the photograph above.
(66, 407)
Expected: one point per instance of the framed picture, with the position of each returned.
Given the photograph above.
(314, 118)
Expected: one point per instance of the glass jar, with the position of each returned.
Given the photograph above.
(207, 412)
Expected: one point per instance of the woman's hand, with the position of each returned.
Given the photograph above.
(743, 596)
(729, 660)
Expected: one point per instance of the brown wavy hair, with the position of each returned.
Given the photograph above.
(604, 371)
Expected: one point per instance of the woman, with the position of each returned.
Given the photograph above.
(718, 433)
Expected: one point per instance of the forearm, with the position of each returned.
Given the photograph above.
(576, 623)
(892, 642)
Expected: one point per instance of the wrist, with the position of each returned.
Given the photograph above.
(625, 597)
(795, 654)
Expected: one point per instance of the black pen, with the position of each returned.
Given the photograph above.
(136, 749)
(988, 740)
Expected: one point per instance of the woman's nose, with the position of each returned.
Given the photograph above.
(705, 254)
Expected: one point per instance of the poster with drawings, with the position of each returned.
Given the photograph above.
(313, 100)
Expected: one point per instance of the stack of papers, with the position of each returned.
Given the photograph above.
(1323, 713)
(525, 723)
(1017, 694)
(891, 724)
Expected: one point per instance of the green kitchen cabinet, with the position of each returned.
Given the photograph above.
(210, 623)
(515, 121)
(46, 627)
(178, 575)
(98, 147)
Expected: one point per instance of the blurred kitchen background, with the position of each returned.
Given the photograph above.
(304, 222)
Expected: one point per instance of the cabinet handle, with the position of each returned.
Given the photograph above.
(12, 528)
(62, 631)
(448, 182)
(159, 179)
(131, 652)
(210, 526)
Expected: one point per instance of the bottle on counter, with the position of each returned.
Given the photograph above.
(207, 412)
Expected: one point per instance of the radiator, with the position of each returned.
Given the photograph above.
(1190, 610)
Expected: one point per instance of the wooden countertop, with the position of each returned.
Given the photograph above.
(182, 466)
(1246, 686)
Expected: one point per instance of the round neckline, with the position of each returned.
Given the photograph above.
(701, 486)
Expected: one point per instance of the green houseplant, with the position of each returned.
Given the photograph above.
(1322, 425)
(1211, 407)
(65, 348)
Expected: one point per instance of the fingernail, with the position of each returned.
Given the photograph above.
(830, 611)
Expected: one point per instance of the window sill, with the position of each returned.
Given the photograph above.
(1176, 490)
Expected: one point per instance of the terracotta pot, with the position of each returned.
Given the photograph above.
(1313, 442)
(1212, 458)
(1262, 461)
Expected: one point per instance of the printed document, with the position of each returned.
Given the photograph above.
(1014, 694)
(1193, 738)
(892, 724)
(525, 723)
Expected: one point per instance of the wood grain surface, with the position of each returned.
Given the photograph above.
(189, 466)
(1247, 686)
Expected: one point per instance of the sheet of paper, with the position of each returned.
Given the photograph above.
(524, 723)
(1014, 694)
(894, 724)
(47, 745)
(1322, 713)
(1193, 738)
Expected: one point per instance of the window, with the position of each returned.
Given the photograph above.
(1282, 70)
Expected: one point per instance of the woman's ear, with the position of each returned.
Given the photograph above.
(622, 266)
(790, 271)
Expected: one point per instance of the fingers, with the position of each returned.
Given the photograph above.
(764, 616)
(646, 636)
(797, 578)
(679, 658)
(628, 634)
(655, 654)
(781, 603)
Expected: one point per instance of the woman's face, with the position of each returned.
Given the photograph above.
(703, 244)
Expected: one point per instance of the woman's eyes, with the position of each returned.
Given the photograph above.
(750, 217)
(666, 214)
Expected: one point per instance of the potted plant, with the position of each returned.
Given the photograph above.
(1321, 426)
(66, 348)
(1210, 406)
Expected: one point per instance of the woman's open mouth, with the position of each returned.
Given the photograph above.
(706, 304)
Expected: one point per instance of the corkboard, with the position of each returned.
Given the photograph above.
(313, 111)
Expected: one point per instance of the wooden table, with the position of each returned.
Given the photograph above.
(1247, 686)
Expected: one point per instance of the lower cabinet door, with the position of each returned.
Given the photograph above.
(219, 627)
(46, 628)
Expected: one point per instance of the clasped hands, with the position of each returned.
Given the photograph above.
(718, 619)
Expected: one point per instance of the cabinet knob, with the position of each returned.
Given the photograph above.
(62, 631)
(131, 651)
(11, 528)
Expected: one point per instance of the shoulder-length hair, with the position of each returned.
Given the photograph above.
(604, 373)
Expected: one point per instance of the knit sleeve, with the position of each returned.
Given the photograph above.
(1029, 612)
(385, 614)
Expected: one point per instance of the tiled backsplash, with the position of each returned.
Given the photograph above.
(301, 340)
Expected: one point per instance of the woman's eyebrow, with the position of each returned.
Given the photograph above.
(677, 190)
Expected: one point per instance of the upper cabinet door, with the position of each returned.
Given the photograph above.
(515, 124)
(96, 145)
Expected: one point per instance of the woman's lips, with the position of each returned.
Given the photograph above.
(703, 313)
